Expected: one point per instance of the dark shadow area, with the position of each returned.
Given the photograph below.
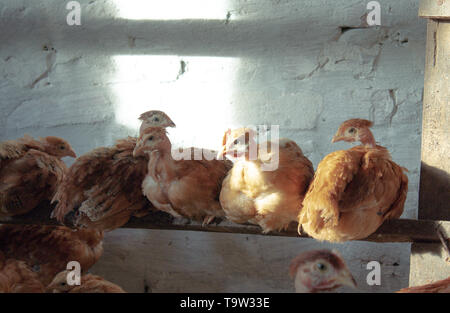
(434, 195)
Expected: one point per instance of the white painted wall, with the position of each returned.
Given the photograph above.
(211, 67)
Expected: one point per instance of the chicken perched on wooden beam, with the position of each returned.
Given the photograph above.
(354, 191)
(17, 277)
(88, 284)
(319, 271)
(270, 198)
(182, 188)
(30, 171)
(103, 186)
(48, 249)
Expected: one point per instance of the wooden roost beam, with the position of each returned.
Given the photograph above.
(402, 230)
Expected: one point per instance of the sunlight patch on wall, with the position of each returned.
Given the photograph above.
(196, 92)
(172, 9)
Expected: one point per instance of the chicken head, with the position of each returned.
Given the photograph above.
(355, 130)
(57, 147)
(320, 270)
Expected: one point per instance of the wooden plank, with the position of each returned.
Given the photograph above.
(436, 9)
(401, 230)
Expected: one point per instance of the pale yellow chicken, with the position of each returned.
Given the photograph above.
(30, 171)
(188, 188)
(271, 198)
(320, 271)
(17, 277)
(48, 249)
(354, 191)
(103, 186)
(88, 284)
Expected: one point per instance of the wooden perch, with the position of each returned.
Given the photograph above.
(401, 230)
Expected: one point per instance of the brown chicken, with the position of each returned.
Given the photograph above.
(269, 198)
(89, 284)
(48, 249)
(319, 271)
(188, 188)
(441, 286)
(30, 171)
(17, 277)
(103, 186)
(354, 191)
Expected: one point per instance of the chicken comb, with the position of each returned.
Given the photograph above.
(356, 122)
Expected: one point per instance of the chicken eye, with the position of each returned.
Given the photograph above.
(352, 130)
(62, 147)
(236, 141)
(156, 119)
(150, 138)
(321, 267)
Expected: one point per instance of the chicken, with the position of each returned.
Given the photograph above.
(30, 171)
(17, 277)
(354, 190)
(188, 188)
(269, 198)
(154, 118)
(319, 271)
(89, 284)
(442, 286)
(104, 185)
(48, 249)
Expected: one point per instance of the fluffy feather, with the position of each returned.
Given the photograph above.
(89, 284)
(354, 191)
(320, 271)
(48, 249)
(442, 286)
(30, 171)
(17, 277)
(271, 199)
(103, 187)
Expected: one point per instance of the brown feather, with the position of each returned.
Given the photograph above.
(352, 193)
(104, 187)
(28, 174)
(442, 286)
(89, 284)
(48, 249)
(17, 277)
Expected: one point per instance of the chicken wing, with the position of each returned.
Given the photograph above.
(354, 191)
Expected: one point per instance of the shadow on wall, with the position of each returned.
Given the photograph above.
(434, 196)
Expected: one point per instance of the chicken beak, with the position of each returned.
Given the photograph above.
(72, 154)
(172, 124)
(345, 278)
(336, 138)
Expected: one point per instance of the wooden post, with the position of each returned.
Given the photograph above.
(428, 260)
